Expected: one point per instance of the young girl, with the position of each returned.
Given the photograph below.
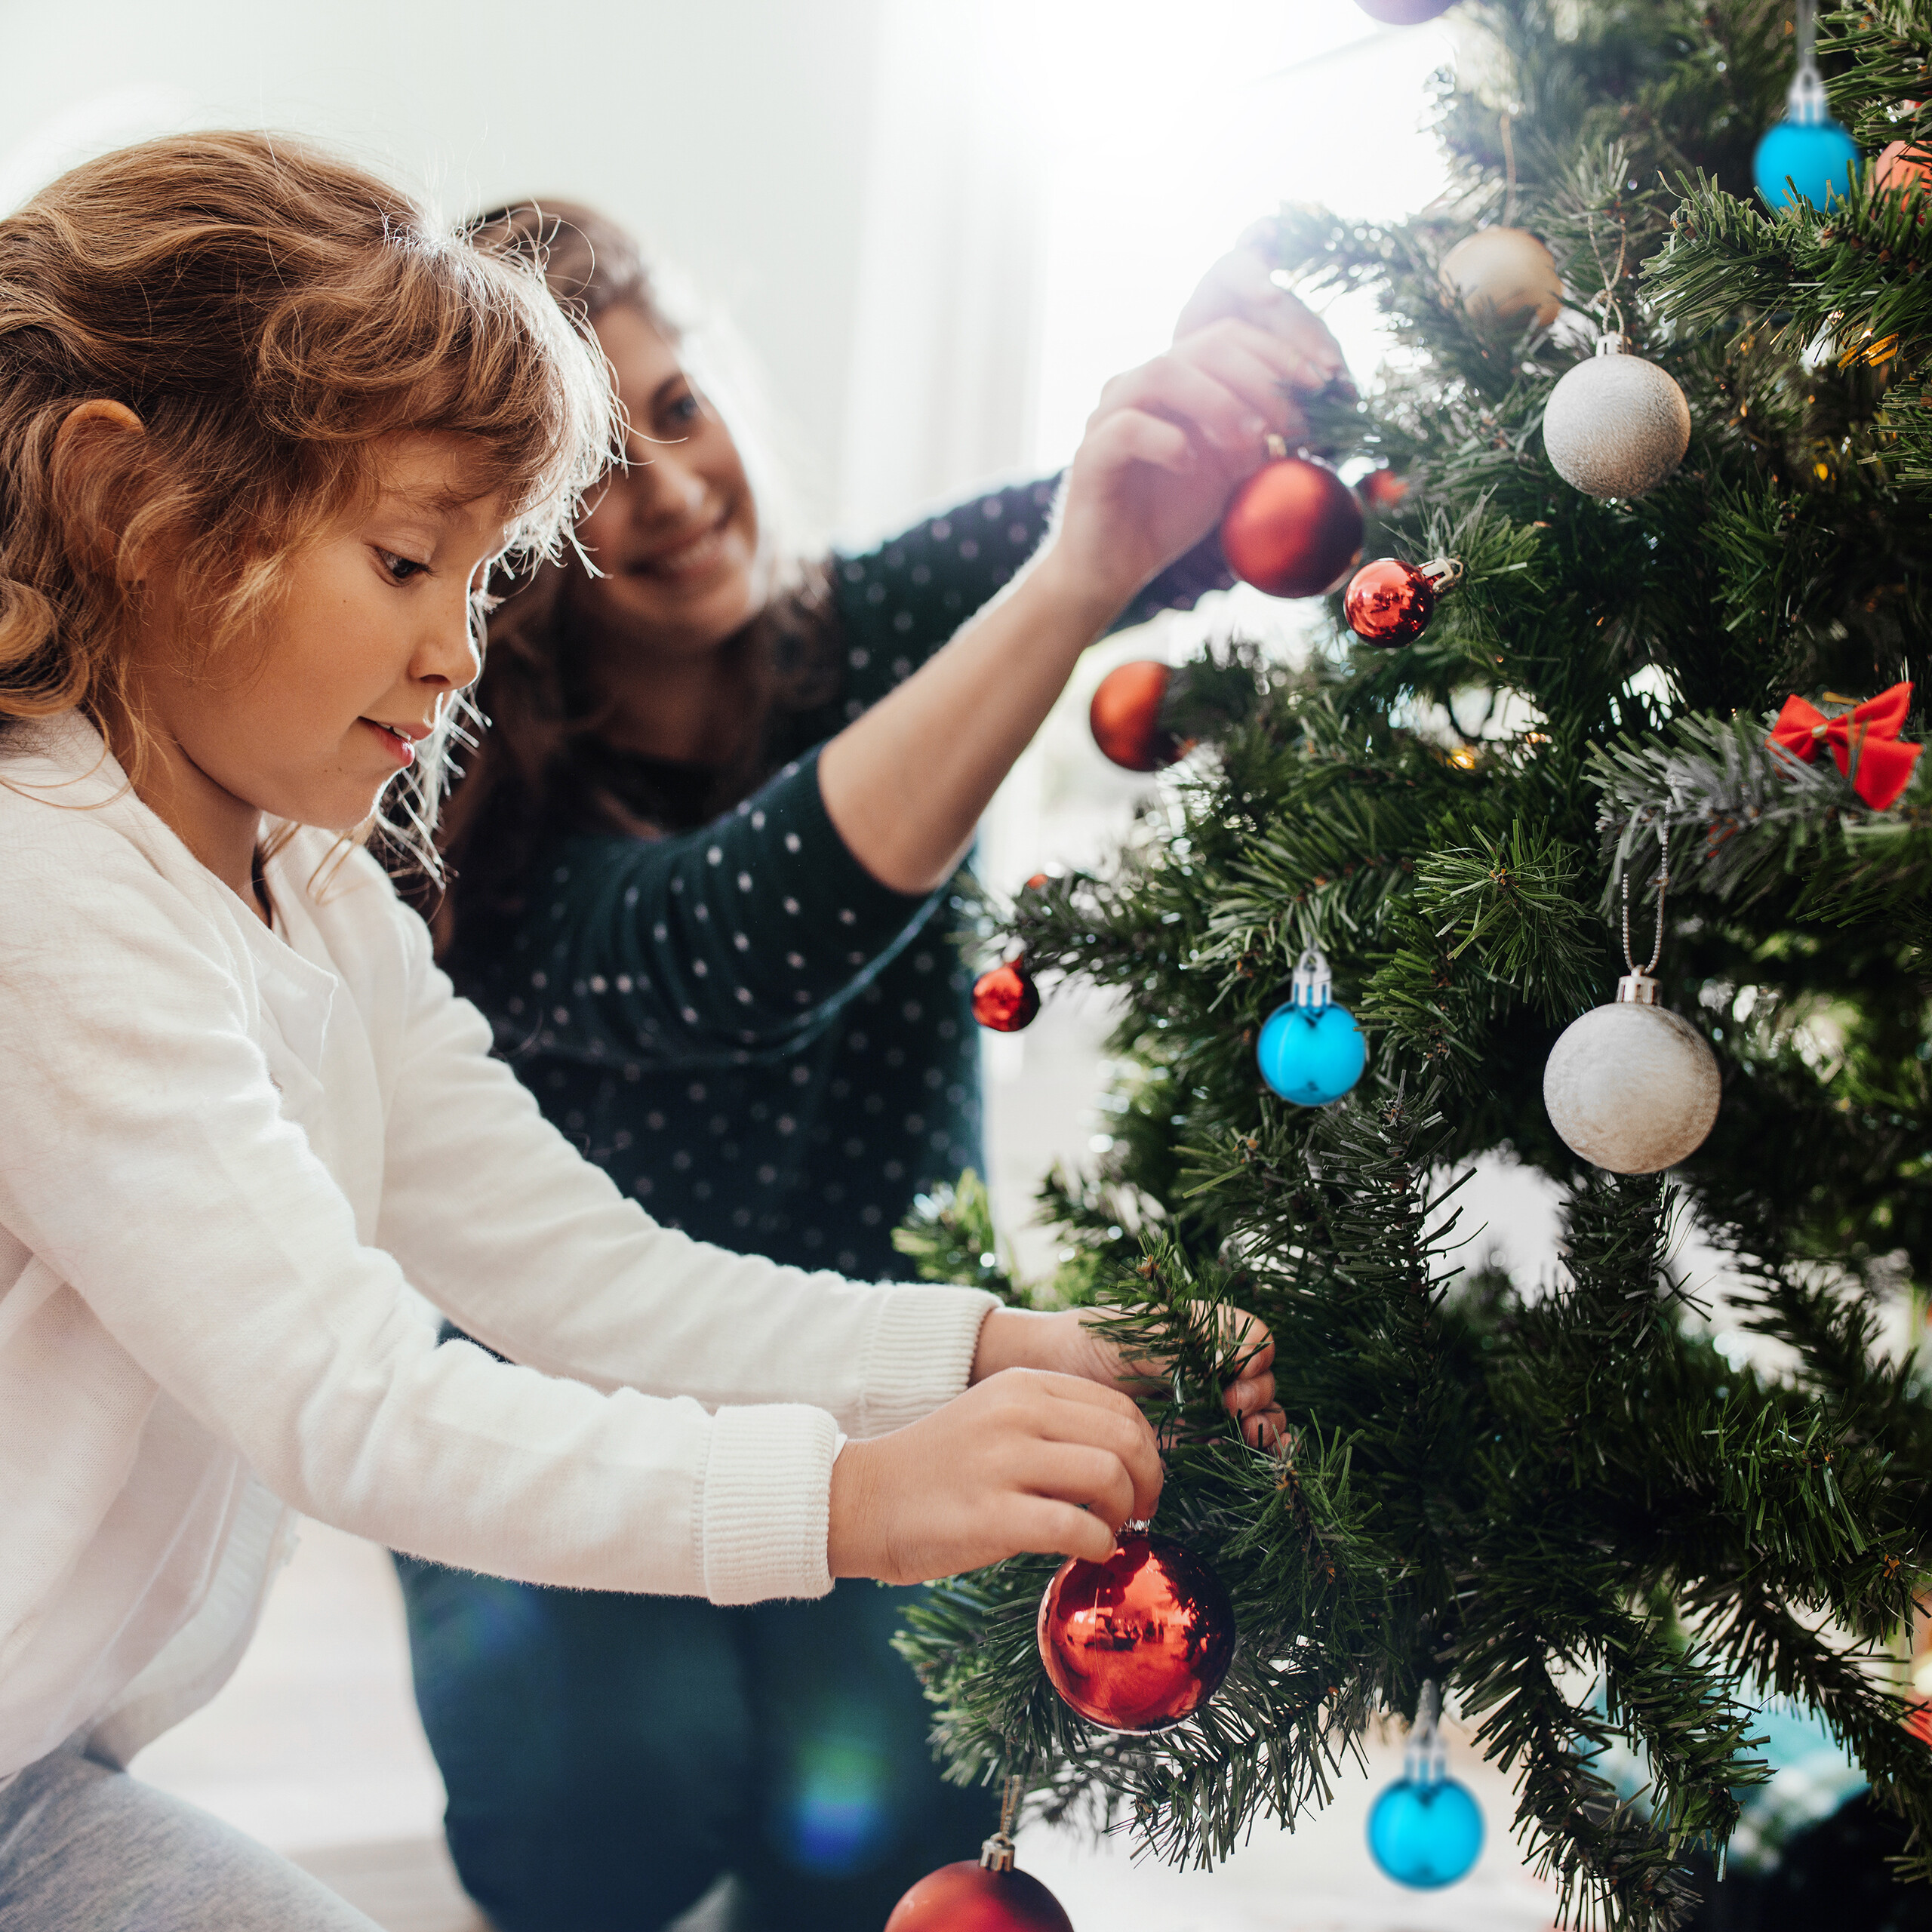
(694, 861)
(263, 428)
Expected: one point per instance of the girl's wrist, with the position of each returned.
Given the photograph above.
(1012, 1338)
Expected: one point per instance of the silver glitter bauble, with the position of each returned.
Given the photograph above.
(1616, 425)
(1632, 1087)
(1497, 274)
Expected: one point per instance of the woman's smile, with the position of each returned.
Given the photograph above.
(690, 556)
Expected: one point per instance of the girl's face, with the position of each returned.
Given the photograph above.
(313, 714)
(676, 535)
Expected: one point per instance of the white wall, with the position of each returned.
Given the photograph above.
(733, 134)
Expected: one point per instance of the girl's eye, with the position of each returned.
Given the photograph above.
(400, 569)
(683, 409)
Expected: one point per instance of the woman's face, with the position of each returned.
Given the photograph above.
(676, 535)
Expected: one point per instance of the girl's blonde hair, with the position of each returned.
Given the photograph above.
(269, 312)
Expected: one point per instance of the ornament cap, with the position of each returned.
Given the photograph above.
(1313, 985)
(1443, 573)
(1636, 989)
(1612, 341)
(1804, 103)
(997, 1853)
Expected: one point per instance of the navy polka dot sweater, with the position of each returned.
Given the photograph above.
(755, 1039)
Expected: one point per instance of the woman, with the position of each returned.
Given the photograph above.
(698, 869)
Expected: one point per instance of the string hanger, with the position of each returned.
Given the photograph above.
(1637, 986)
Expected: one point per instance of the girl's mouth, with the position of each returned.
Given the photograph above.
(395, 740)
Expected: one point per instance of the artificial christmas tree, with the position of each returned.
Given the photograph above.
(1564, 1502)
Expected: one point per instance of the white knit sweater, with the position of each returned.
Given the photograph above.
(237, 1169)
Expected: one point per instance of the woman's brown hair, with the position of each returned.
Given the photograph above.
(536, 769)
(269, 313)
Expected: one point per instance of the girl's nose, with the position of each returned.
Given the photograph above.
(666, 485)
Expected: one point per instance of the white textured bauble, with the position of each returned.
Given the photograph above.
(1632, 1089)
(1616, 425)
(1499, 273)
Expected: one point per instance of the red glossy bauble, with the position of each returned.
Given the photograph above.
(967, 1897)
(1404, 12)
(1006, 999)
(1293, 529)
(1389, 602)
(1125, 716)
(1140, 1641)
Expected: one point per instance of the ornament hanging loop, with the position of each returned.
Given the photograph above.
(1637, 988)
(1804, 102)
(996, 1853)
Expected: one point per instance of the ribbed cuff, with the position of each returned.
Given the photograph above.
(922, 1354)
(767, 1504)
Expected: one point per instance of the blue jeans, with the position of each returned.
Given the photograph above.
(83, 1848)
(608, 1757)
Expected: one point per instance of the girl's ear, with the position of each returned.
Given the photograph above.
(99, 465)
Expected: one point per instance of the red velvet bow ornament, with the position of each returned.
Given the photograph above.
(1864, 740)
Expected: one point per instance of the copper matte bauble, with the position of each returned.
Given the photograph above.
(1006, 999)
(1498, 274)
(1140, 1641)
(969, 1897)
(1125, 716)
(1294, 528)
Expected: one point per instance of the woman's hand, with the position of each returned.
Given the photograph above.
(1169, 444)
(1073, 1344)
(1024, 1460)
(1241, 285)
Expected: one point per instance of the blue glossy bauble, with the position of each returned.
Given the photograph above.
(1425, 1833)
(1820, 157)
(1311, 1054)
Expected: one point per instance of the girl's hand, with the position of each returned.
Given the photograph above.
(1071, 1343)
(1024, 1460)
(1169, 444)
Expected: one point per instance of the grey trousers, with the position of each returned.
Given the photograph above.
(86, 1849)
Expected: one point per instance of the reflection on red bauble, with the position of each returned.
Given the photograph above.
(1125, 716)
(1140, 1641)
(968, 1897)
(1006, 999)
(1404, 12)
(1389, 602)
(1293, 529)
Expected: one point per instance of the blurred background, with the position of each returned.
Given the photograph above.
(917, 236)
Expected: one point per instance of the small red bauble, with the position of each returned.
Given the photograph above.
(1381, 489)
(1138, 1642)
(1125, 716)
(972, 1897)
(1404, 12)
(1006, 999)
(1389, 602)
(1903, 169)
(1293, 529)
